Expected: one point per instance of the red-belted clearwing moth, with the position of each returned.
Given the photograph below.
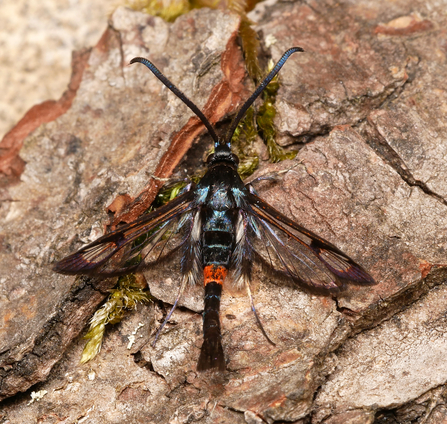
(220, 227)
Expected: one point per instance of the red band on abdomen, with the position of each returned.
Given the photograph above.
(214, 273)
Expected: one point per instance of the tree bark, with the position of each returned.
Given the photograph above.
(366, 101)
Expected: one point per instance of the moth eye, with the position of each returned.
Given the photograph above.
(210, 158)
(235, 159)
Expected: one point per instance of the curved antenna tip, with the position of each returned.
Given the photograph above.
(258, 91)
(179, 94)
(137, 59)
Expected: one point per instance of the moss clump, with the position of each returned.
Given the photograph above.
(169, 10)
(126, 295)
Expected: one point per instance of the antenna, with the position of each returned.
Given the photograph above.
(179, 94)
(199, 113)
(257, 92)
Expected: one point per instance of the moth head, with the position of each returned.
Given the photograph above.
(222, 153)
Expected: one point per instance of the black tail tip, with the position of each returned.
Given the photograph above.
(211, 357)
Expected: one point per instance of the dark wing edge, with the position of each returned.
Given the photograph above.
(106, 255)
(314, 262)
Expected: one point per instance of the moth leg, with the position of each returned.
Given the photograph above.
(168, 317)
(250, 296)
(273, 178)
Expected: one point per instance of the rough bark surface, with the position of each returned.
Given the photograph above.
(370, 97)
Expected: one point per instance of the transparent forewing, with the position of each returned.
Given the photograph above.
(191, 262)
(301, 255)
(134, 245)
(282, 254)
(241, 259)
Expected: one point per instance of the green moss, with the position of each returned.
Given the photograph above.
(250, 46)
(264, 119)
(266, 113)
(243, 144)
(126, 295)
(166, 194)
(169, 10)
